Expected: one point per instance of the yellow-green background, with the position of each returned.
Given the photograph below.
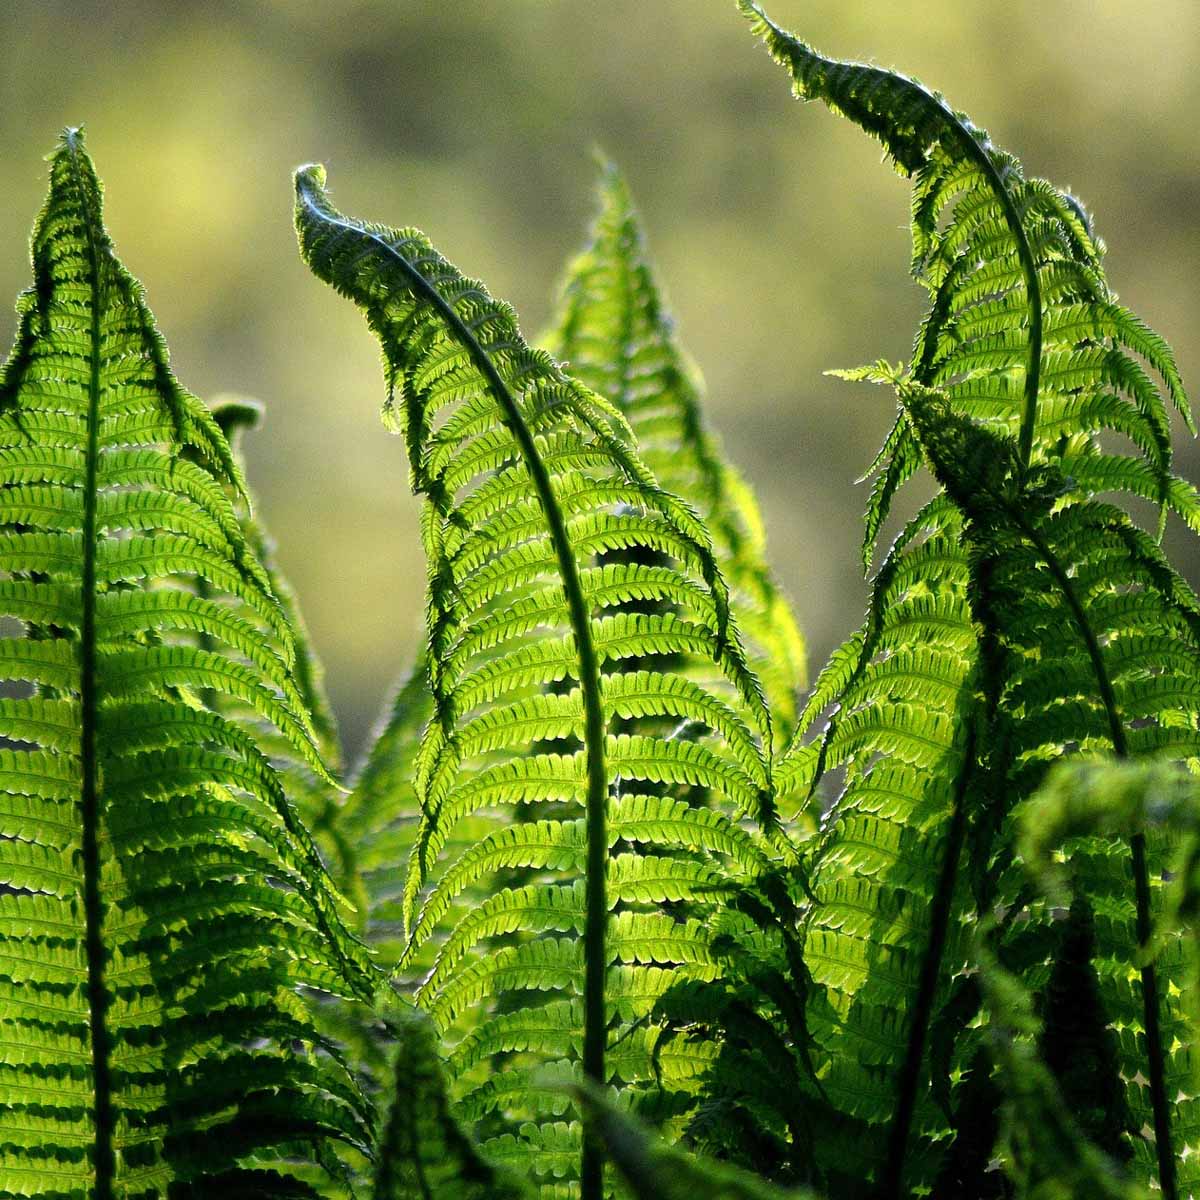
(779, 232)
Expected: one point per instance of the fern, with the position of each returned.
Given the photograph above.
(1022, 331)
(1092, 623)
(968, 676)
(617, 337)
(911, 953)
(162, 901)
(314, 795)
(1047, 1155)
(529, 478)
(1154, 800)
(654, 1171)
(761, 1105)
(612, 328)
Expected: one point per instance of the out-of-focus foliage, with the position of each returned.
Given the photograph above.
(224, 98)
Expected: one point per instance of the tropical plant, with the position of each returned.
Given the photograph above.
(606, 888)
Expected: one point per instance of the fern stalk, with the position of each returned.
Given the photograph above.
(105, 1160)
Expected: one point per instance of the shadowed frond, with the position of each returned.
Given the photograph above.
(162, 901)
(1159, 801)
(1045, 1153)
(423, 1153)
(560, 576)
(656, 1171)
(1098, 645)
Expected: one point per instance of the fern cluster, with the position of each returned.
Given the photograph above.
(610, 908)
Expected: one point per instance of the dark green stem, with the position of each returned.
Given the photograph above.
(104, 1162)
(1163, 1145)
(596, 916)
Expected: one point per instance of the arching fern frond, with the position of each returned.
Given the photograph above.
(162, 902)
(615, 334)
(1023, 332)
(531, 480)
(1024, 336)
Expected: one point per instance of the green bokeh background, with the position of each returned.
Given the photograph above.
(781, 237)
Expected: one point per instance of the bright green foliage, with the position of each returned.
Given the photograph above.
(573, 840)
(616, 336)
(974, 668)
(560, 576)
(376, 826)
(1022, 331)
(162, 902)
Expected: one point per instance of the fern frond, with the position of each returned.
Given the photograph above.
(901, 703)
(1023, 336)
(162, 901)
(615, 333)
(1155, 800)
(1046, 1154)
(1023, 332)
(562, 581)
(655, 1171)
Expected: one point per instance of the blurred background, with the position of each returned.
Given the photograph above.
(780, 236)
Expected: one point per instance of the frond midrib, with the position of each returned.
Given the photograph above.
(104, 1163)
